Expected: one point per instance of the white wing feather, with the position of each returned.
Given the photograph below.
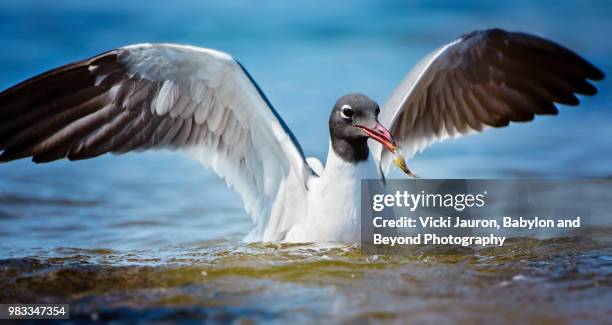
(259, 160)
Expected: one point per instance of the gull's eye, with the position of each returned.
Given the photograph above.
(377, 111)
(347, 112)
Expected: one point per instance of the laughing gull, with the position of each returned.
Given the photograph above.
(204, 103)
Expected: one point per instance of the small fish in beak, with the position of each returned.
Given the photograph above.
(400, 162)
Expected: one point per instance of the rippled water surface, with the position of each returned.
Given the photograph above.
(554, 280)
(154, 235)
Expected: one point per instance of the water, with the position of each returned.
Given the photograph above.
(564, 280)
(154, 235)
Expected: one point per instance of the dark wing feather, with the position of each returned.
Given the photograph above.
(485, 79)
(73, 112)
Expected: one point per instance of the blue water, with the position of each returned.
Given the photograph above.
(152, 207)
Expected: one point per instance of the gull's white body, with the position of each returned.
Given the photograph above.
(333, 202)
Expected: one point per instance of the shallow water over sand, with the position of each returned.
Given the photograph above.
(565, 279)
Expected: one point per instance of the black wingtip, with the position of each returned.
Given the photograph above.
(7, 156)
(596, 74)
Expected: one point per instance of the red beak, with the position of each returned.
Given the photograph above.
(380, 134)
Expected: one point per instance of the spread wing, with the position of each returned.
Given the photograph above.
(484, 79)
(163, 96)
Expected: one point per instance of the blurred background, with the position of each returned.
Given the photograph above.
(157, 236)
